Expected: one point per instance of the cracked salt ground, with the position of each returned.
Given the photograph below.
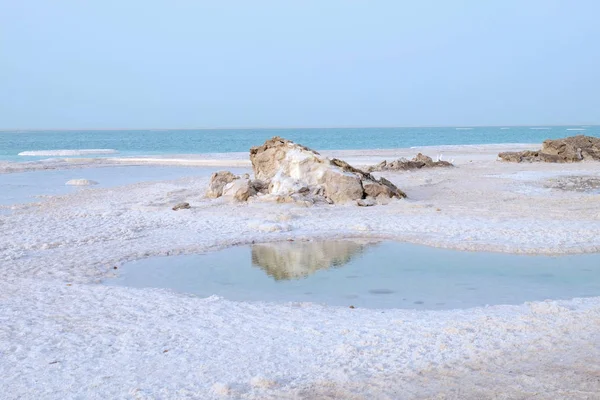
(390, 275)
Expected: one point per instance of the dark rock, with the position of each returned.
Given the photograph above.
(180, 206)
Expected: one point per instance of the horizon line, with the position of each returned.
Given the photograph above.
(296, 127)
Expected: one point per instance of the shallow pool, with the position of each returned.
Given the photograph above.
(364, 273)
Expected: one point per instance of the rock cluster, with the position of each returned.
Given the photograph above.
(402, 164)
(288, 172)
(567, 150)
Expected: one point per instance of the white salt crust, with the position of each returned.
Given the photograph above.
(63, 335)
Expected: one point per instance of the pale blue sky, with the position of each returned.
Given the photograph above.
(260, 63)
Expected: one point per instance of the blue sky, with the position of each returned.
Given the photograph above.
(185, 64)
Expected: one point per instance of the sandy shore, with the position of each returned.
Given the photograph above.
(64, 336)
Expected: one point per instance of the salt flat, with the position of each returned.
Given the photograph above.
(62, 335)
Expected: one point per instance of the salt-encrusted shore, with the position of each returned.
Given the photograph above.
(63, 335)
(232, 160)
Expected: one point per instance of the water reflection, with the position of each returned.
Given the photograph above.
(368, 274)
(296, 260)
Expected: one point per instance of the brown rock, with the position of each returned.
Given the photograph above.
(402, 164)
(259, 186)
(567, 150)
(574, 148)
(218, 181)
(342, 188)
(520, 156)
(395, 191)
(268, 158)
(179, 206)
(239, 190)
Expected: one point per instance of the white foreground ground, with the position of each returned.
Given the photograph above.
(62, 335)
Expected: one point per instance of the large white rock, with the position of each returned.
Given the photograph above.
(291, 168)
(289, 172)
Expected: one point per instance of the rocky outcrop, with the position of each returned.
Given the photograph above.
(289, 172)
(402, 164)
(567, 150)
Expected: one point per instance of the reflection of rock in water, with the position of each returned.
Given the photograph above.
(301, 259)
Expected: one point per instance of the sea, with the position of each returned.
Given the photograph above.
(30, 145)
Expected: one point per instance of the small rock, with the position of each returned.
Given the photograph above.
(368, 202)
(239, 190)
(218, 181)
(260, 187)
(181, 206)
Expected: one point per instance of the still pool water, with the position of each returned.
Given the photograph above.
(368, 274)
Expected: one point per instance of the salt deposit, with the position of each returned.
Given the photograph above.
(64, 336)
(63, 153)
(81, 182)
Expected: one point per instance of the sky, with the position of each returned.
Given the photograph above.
(68, 64)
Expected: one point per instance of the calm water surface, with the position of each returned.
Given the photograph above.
(152, 142)
(368, 274)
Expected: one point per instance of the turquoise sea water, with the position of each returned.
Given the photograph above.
(152, 142)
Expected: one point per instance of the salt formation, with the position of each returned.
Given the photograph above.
(80, 182)
(60, 153)
(567, 150)
(288, 172)
(402, 164)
